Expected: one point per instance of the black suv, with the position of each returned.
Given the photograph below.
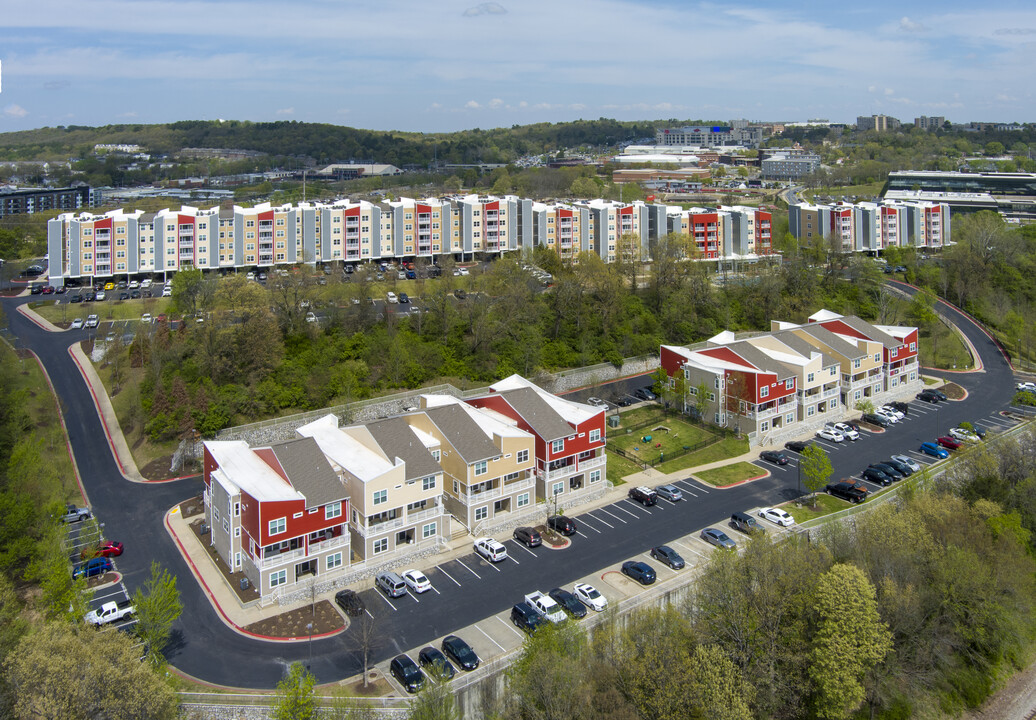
(525, 618)
(528, 537)
(901, 406)
(847, 491)
(874, 419)
(460, 652)
(645, 496)
(564, 525)
(928, 395)
(407, 673)
(350, 602)
(876, 476)
(568, 602)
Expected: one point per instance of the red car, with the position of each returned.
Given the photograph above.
(949, 443)
(106, 548)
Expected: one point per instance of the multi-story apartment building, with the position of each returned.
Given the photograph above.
(750, 232)
(707, 228)
(880, 123)
(570, 460)
(817, 377)
(276, 514)
(872, 227)
(930, 123)
(488, 463)
(899, 344)
(712, 135)
(393, 479)
(36, 200)
(561, 227)
(789, 166)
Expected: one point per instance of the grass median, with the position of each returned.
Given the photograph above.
(730, 474)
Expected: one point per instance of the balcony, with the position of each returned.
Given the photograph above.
(397, 523)
(591, 463)
(332, 542)
(548, 475)
(832, 391)
(905, 368)
(279, 558)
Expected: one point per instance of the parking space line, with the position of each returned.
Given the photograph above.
(522, 546)
(582, 535)
(490, 639)
(599, 520)
(638, 506)
(618, 507)
(509, 626)
(624, 522)
(687, 547)
(448, 575)
(511, 557)
(382, 596)
(469, 569)
(111, 594)
(589, 525)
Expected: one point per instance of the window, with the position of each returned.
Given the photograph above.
(557, 488)
(226, 526)
(595, 436)
(522, 500)
(296, 516)
(333, 510)
(237, 509)
(481, 468)
(809, 378)
(237, 559)
(557, 445)
(380, 546)
(334, 561)
(595, 476)
(913, 347)
(856, 364)
(380, 497)
(428, 483)
(428, 530)
(481, 513)
(764, 426)
(237, 531)
(712, 397)
(522, 457)
(764, 391)
(278, 578)
(877, 357)
(278, 526)
(789, 418)
(435, 455)
(810, 410)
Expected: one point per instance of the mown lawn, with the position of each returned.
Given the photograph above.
(826, 504)
(106, 310)
(667, 435)
(619, 467)
(728, 447)
(729, 474)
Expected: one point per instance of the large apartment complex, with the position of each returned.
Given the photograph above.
(871, 227)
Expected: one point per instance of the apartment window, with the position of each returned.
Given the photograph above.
(522, 457)
(278, 578)
(380, 497)
(789, 384)
(557, 445)
(856, 396)
(789, 418)
(226, 526)
(712, 397)
(237, 532)
(877, 357)
(913, 347)
(237, 559)
(481, 513)
(428, 483)
(522, 500)
(557, 488)
(296, 516)
(435, 455)
(428, 530)
(716, 383)
(595, 436)
(278, 526)
(764, 391)
(810, 410)
(764, 426)
(809, 378)
(334, 560)
(481, 468)
(380, 546)
(595, 476)
(333, 510)
(237, 509)
(834, 371)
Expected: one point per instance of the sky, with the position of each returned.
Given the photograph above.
(459, 64)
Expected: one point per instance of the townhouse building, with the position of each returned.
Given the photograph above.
(872, 227)
(570, 461)
(391, 472)
(276, 514)
(488, 463)
(899, 344)
(750, 232)
(707, 228)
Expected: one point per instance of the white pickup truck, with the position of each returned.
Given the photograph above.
(545, 606)
(109, 613)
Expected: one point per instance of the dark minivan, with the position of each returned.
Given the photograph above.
(528, 536)
(407, 673)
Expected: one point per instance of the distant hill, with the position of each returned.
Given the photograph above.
(328, 143)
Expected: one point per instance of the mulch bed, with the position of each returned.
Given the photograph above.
(377, 687)
(245, 595)
(158, 469)
(293, 623)
(550, 537)
(953, 391)
(193, 506)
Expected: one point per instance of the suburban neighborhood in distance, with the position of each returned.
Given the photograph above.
(378, 364)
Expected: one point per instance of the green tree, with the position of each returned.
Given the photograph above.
(187, 287)
(994, 148)
(701, 401)
(815, 466)
(295, 695)
(157, 606)
(453, 184)
(850, 639)
(436, 701)
(549, 680)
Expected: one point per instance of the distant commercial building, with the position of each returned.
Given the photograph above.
(1013, 195)
(711, 136)
(880, 123)
(352, 171)
(35, 200)
(930, 123)
(789, 165)
(872, 227)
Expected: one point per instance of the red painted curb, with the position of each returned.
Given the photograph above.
(212, 598)
(34, 321)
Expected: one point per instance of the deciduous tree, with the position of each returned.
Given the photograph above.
(295, 695)
(815, 466)
(157, 606)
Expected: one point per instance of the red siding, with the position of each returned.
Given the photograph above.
(671, 361)
(103, 224)
(722, 353)
(268, 215)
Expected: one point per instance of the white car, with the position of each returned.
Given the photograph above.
(490, 549)
(463, 271)
(777, 517)
(416, 581)
(1026, 387)
(167, 291)
(134, 285)
(146, 318)
(963, 435)
(589, 596)
(76, 324)
(391, 297)
(101, 295)
(311, 317)
(830, 434)
(92, 321)
(890, 416)
(847, 431)
(596, 402)
(908, 461)
(900, 415)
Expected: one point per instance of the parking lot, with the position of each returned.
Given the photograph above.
(109, 587)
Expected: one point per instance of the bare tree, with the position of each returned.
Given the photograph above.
(368, 635)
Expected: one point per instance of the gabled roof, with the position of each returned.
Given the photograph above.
(802, 347)
(397, 439)
(463, 433)
(762, 361)
(871, 332)
(837, 343)
(249, 472)
(309, 472)
(574, 413)
(824, 315)
(489, 421)
(540, 416)
(344, 450)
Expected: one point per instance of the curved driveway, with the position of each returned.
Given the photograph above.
(467, 589)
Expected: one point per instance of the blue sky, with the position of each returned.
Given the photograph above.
(456, 64)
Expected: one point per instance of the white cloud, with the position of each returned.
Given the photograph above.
(486, 8)
(577, 106)
(1003, 97)
(286, 111)
(472, 105)
(908, 25)
(889, 91)
(496, 103)
(16, 111)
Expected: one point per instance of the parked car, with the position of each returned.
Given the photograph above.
(101, 295)
(889, 469)
(644, 394)
(76, 324)
(777, 517)
(933, 449)
(644, 495)
(105, 548)
(93, 568)
(876, 476)
(407, 673)
(746, 523)
(903, 407)
(928, 395)
(665, 554)
(639, 571)
(830, 434)
(390, 584)
(391, 297)
(774, 456)
(416, 581)
(146, 318)
(350, 602)
(459, 294)
(562, 524)
(568, 602)
(943, 397)
(75, 514)
(902, 468)
(891, 417)
(962, 435)
(460, 652)
(949, 443)
(92, 321)
(874, 419)
(490, 549)
(624, 401)
(525, 618)
(528, 537)
(907, 461)
(898, 414)
(403, 298)
(718, 538)
(847, 430)
(432, 659)
(846, 491)
(797, 445)
(110, 612)
(669, 492)
(596, 402)
(589, 596)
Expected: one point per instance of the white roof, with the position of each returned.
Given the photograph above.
(247, 471)
(896, 331)
(491, 423)
(824, 315)
(427, 439)
(724, 338)
(346, 451)
(572, 412)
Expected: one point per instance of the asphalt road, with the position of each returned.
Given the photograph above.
(467, 589)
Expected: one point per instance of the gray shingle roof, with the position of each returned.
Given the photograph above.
(866, 329)
(804, 348)
(309, 472)
(837, 344)
(396, 439)
(541, 417)
(463, 433)
(762, 361)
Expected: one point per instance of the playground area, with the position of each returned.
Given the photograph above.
(646, 435)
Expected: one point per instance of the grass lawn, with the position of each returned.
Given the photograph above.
(943, 348)
(667, 436)
(826, 504)
(730, 474)
(107, 310)
(728, 447)
(619, 467)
